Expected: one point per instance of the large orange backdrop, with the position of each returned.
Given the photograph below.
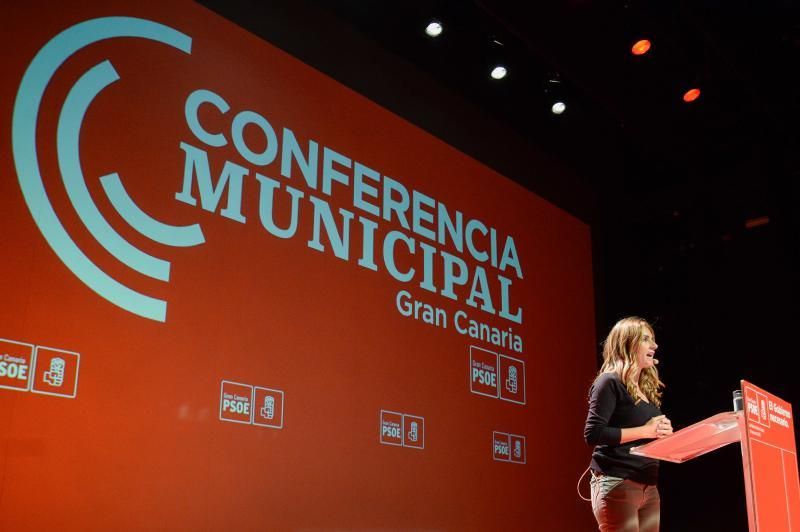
(120, 344)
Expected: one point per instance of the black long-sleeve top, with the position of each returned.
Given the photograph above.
(611, 409)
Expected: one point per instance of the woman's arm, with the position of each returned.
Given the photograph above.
(602, 402)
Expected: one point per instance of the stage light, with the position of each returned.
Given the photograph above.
(755, 222)
(499, 72)
(558, 108)
(691, 95)
(434, 29)
(640, 47)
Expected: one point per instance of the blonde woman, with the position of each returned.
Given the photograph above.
(624, 411)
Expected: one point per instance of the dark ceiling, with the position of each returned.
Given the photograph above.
(626, 129)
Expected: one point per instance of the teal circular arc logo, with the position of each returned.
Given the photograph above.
(24, 124)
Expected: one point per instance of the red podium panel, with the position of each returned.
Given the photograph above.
(768, 446)
(769, 456)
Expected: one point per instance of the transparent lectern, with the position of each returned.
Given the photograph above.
(765, 428)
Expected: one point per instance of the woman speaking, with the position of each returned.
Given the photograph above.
(624, 410)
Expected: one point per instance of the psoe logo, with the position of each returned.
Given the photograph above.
(26, 158)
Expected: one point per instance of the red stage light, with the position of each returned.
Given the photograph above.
(691, 95)
(641, 47)
(755, 222)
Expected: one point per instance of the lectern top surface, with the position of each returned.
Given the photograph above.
(695, 440)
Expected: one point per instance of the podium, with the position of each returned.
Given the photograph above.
(765, 428)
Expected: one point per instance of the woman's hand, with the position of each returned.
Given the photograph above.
(658, 427)
(664, 428)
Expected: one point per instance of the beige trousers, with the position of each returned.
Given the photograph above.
(622, 505)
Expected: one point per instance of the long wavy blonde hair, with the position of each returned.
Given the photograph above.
(619, 356)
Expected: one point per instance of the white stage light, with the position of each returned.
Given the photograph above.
(434, 29)
(558, 108)
(499, 72)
